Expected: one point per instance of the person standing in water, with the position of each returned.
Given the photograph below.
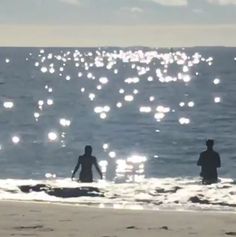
(209, 160)
(86, 162)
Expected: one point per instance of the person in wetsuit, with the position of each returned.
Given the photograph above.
(86, 162)
(209, 160)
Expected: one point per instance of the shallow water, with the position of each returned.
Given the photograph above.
(146, 112)
(155, 194)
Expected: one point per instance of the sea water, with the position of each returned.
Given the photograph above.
(147, 113)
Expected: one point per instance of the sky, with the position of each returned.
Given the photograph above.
(154, 23)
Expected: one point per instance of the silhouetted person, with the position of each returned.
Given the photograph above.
(209, 160)
(86, 162)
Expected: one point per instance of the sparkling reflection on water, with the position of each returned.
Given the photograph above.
(157, 104)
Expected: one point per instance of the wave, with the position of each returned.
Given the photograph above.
(156, 194)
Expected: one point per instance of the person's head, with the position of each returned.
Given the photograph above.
(88, 150)
(210, 143)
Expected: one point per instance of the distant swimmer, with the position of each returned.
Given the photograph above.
(209, 160)
(86, 162)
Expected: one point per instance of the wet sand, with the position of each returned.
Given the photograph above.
(41, 219)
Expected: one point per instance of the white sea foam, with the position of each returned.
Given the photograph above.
(163, 193)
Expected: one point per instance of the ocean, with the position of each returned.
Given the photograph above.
(147, 113)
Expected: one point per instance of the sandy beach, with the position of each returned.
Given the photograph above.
(41, 219)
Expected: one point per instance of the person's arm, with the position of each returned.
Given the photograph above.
(199, 163)
(218, 162)
(97, 167)
(76, 168)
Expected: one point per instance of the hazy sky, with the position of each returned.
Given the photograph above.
(117, 22)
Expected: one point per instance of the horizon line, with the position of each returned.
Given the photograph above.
(163, 36)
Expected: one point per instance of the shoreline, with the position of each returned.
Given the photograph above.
(44, 219)
(155, 195)
(108, 207)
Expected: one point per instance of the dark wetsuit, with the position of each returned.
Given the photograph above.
(86, 163)
(209, 160)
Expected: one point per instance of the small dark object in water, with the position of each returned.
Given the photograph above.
(35, 188)
(196, 199)
(75, 192)
(63, 192)
(162, 190)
